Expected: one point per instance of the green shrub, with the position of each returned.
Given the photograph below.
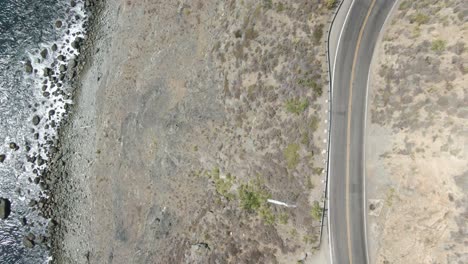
(330, 3)
(404, 5)
(438, 45)
(316, 211)
(296, 106)
(318, 170)
(311, 83)
(305, 139)
(250, 33)
(280, 7)
(314, 123)
(250, 201)
(416, 32)
(252, 197)
(291, 155)
(318, 90)
(307, 82)
(318, 33)
(390, 195)
(283, 218)
(223, 187)
(420, 18)
(310, 239)
(213, 174)
(266, 214)
(267, 4)
(293, 232)
(310, 184)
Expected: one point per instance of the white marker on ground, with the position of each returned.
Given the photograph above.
(280, 203)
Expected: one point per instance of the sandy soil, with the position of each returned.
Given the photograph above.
(417, 141)
(191, 115)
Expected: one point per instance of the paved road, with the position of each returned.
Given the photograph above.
(354, 35)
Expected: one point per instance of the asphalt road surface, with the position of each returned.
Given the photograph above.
(354, 35)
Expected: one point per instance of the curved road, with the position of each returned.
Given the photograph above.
(352, 41)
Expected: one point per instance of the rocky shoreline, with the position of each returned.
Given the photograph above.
(60, 205)
(59, 68)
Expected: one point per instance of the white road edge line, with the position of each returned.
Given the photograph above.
(330, 141)
(365, 129)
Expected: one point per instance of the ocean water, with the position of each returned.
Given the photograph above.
(27, 29)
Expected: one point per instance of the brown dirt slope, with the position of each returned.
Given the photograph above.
(204, 110)
(417, 143)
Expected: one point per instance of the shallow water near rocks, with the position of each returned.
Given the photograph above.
(27, 28)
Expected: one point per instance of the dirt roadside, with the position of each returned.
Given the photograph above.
(417, 137)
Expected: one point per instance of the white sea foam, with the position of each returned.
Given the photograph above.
(17, 90)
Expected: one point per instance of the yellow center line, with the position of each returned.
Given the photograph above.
(348, 133)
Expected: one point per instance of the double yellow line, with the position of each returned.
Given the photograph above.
(348, 133)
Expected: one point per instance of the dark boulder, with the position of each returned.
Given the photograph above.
(58, 24)
(23, 221)
(47, 72)
(13, 146)
(28, 67)
(44, 53)
(72, 63)
(5, 208)
(40, 161)
(36, 119)
(28, 243)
